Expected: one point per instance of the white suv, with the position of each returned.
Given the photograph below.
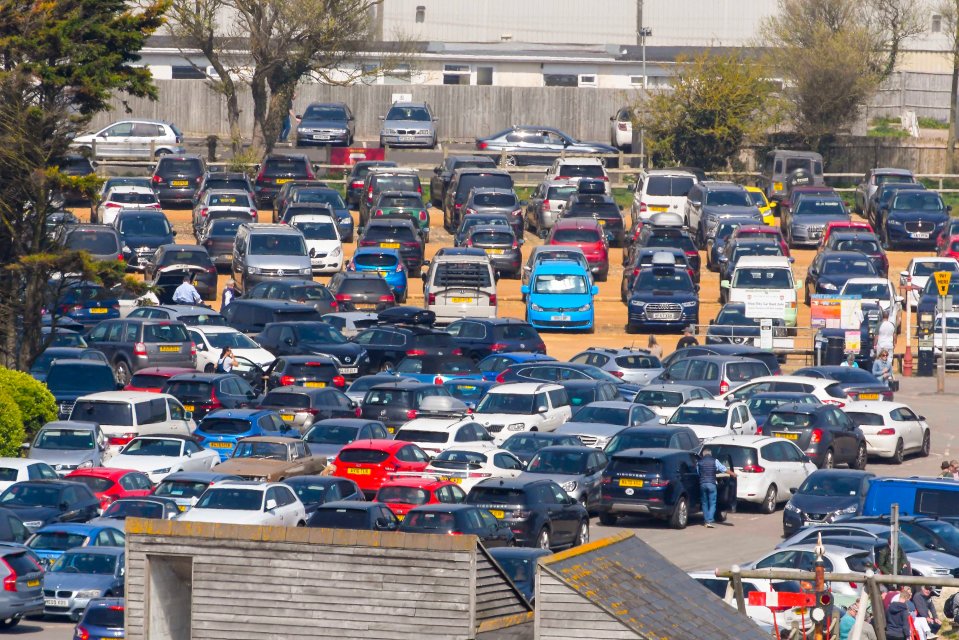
(134, 139)
(523, 406)
(247, 502)
(658, 191)
(577, 168)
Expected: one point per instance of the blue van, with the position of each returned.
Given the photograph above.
(560, 296)
(935, 497)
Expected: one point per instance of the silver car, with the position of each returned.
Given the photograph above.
(409, 124)
(67, 445)
(133, 139)
(578, 470)
(632, 365)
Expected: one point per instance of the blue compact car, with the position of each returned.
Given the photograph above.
(559, 296)
(492, 365)
(221, 430)
(386, 262)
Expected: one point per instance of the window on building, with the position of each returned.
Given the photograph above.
(187, 72)
(456, 74)
(421, 13)
(484, 76)
(636, 81)
(560, 80)
(936, 23)
(400, 74)
(587, 80)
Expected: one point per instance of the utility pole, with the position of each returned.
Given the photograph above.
(642, 32)
(639, 20)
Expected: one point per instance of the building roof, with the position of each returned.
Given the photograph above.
(630, 581)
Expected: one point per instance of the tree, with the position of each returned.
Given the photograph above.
(37, 405)
(949, 10)
(832, 56)
(282, 42)
(11, 427)
(716, 105)
(60, 62)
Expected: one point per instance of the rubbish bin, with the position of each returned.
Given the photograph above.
(835, 351)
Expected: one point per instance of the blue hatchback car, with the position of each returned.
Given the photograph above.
(559, 296)
(386, 262)
(50, 542)
(85, 302)
(220, 430)
(492, 365)
(468, 390)
(103, 618)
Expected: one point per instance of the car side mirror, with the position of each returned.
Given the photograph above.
(525, 288)
(288, 342)
(696, 203)
(662, 421)
(794, 490)
(381, 523)
(569, 500)
(920, 417)
(594, 290)
(188, 415)
(542, 408)
(270, 505)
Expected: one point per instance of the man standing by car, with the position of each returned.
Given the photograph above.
(688, 340)
(186, 293)
(708, 467)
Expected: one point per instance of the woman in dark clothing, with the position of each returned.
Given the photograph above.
(897, 622)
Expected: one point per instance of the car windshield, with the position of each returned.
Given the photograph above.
(118, 414)
(602, 415)
(384, 397)
(918, 201)
(820, 206)
(853, 375)
(284, 399)
(663, 280)
(705, 416)
(495, 200)
(655, 398)
(341, 518)
(30, 495)
(153, 447)
(331, 434)
(760, 406)
(727, 198)
(311, 492)
(733, 455)
(224, 426)
(80, 379)
(110, 617)
(560, 193)
(123, 509)
(320, 112)
(866, 246)
(416, 114)
(316, 230)
(376, 260)
(231, 339)
(421, 435)
(867, 289)
(430, 520)
(757, 198)
(277, 245)
(90, 563)
(923, 269)
(515, 403)
(232, 499)
(181, 488)
(455, 459)
(575, 235)
(495, 495)
(560, 283)
(64, 439)
(320, 332)
(229, 200)
(144, 226)
(637, 440)
(558, 462)
(846, 265)
(96, 484)
(735, 316)
(760, 278)
(403, 495)
(519, 570)
(129, 197)
(829, 484)
(483, 236)
(676, 186)
(56, 540)
(271, 450)
(225, 227)
(92, 241)
(320, 196)
(165, 332)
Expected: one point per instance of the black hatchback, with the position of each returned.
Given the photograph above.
(396, 234)
(142, 232)
(275, 171)
(458, 519)
(202, 393)
(388, 344)
(315, 338)
(312, 371)
(824, 433)
(177, 178)
(361, 291)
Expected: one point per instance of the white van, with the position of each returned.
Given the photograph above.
(660, 190)
(124, 415)
(460, 284)
(322, 241)
(766, 282)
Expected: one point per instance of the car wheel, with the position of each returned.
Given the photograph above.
(583, 536)
(386, 366)
(926, 445)
(828, 460)
(608, 519)
(680, 517)
(9, 623)
(542, 540)
(769, 502)
(161, 152)
(122, 372)
(898, 454)
(860, 461)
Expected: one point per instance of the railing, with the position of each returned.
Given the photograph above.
(795, 342)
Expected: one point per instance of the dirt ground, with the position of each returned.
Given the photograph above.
(610, 311)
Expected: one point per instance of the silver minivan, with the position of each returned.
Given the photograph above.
(268, 252)
(460, 283)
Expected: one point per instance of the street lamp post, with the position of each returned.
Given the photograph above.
(644, 32)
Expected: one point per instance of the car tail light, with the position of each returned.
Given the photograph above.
(204, 211)
(193, 349)
(82, 633)
(605, 178)
(606, 480)
(499, 346)
(356, 184)
(253, 213)
(105, 501)
(211, 269)
(437, 380)
(334, 304)
(492, 299)
(422, 215)
(139, 349)
(379, 212)
(113, 205)
(368, 243)
(369, 194)
(157, 179)
(545, 205)
(470, 210)
(691, 272)
(618, 374)
(458, 205)
(309, 173)
(388, 297)
(122, 440)
(723, 387)
(477, 474)
(286, 381)
(455, 533)
(411, 414)
(481, 146)
(10, 582)
(469, 243)
(457, 351)
(886, 432)
(399, 267)
(208, 242)
(343, 297)
(411, 244)
(431, 299)
(659, 483)
(416, 352)
(636, 272)
(816, 437)
(753, 468)
(642, 207)
(501, 378)
(359, 412)
(339, 381)
(515, 244)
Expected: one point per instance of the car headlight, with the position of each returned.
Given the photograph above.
(516, 426)
(389, 132)
(535, 307)
(423, 132)
(306, 271)
(637, 303)
(800, 228)
(89, 593)
(86, 464)
(33, 524)
(569, 486)
(792, 508)
(585, 307)
(691, 303)
(894, 222)
(850, 509)
(253, 270)
(828, 286)
(164, 470)
(336, 253)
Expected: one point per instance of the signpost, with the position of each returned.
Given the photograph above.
(943, 279)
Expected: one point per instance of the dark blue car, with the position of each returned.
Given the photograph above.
(913, 220)
(662, 298)
(103, 618)
(520, 565)
(492, 365)
(220, 430)
(830, 270)
(141, 234)
(479, 338)
(762, 404)
(84, 302)
(565, 372)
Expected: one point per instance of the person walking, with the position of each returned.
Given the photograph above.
(229, 293)
(688, 340)
(226, 361)
(886, 337)
(708, 467)
(186, 293)
(654, 347)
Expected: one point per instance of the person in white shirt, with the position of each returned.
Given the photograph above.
(886, 337)
(186, 293)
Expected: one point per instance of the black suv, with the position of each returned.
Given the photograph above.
(396, 403)
(388, 344)
(478, 338)
(305, 291)
(662, 483)
(653, 437)
(540, 513)
(277, 169)
(396, 234)
(444, 173)
(132, 344)
(177, 178)
(226, 180)
(142, 232)
(315, 338)
(202, 393)
(313, 371)
(357, 178)
(251, 316)
(361, 291)
(824, 433)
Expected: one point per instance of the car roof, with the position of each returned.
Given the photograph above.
(710, 404)
(527, 388)
(560, 266)
(236, 414)
(124, 396)
(576, 223)
(767, 261)
(354, 505)
(676, 388)
(441, 507)
(430, 483)
(516, 483)
(198, 476)
(76, 425)
(651, 452)
(377, 444)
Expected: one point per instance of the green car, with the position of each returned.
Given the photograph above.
(403, 204)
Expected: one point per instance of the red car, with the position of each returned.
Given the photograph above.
(950, 248)
(153, 378)
(402, 494)
(112, 484)
(589, 236)
(369, 463)
(761, 231)
(845, 225)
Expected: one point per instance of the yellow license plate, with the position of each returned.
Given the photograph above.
(389, 245)
(188, 407)
(283, 180)
(868, 396)
(353, 471)
(461, 300)
(288, 418)
(33, 583)
(170, 349)
(602, 223)
(315, 384)
(220, 445)
(657, 207)
(98, 310)
(628, 482)
(452, 479)
(181, 507)
(180, 183)
(495, 252)
(382, 274)
(400, 516)
(777, 186)
(497, 513)
(787, 436)
(391, 429)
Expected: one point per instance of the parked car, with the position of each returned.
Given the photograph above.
(50, 542)
(369, 462)
(578, 470)
(176, 178)
(301, 406)
(658, 191)
(913, 219)
(396, 402)
(357, 176)
(891, 429)
(272, 459)
(458, 519)
(653, 437)
(223, 429)
(825, 495)
(560, 296)
(361, 291)
(109, 484)
(67, 445)
(314, 491)
(275, 170)
(326, 123)
(534, 145)
(246, 502)
(826, 434)
(461, 284)
(142, 232)
(443, 173)
(40, 502)
(159, 456)
(409, 124)
(351, 514)
(124, 415)
(523, 406)
(303, 341)
(184, 488)
(131, 140)
(545, 205)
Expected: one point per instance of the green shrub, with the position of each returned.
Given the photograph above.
(11, 426)
(36, 403)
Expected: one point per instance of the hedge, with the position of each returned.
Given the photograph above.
(11, 426)
(37, 405)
